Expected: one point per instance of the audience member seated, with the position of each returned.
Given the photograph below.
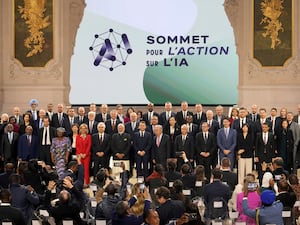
(216, 192)
(269, 213)
(68, 206)
(172, 174)
(229, 177)
(156, 180)
(8, 170)
(122, 214)
(253, 200)
(168, 209)
(188, 179)
(7, 212)
(151, 217)
(287, 198)
(295, 186)
(23, 198)
(201, 180)
(106, 206)
(278, 171)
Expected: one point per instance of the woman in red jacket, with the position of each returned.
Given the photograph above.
(83, 148)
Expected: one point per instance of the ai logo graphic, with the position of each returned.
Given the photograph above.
(110, 49)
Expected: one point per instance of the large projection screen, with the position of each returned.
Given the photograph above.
(137, 51)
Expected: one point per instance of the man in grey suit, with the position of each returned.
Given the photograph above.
(9, 145)
(295, 128)
(226, 139)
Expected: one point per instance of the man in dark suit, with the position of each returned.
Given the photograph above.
(120, 147)
(148, 115)
(199, 116)
(212, 124)
(9, 169)
(112, 123)
(46, 134)
(23, 198)
(71, 119)
(193, 128)
(165, 116)
(257, 125)
(216, 190)
(28, 146)
(82, 118)
(184, 142)
(160, 147)
(18, 116)
(286, 197)
(238, 123)
(168, 209)
(49, 111)
(253, 115)
(219, 116)
(92, 123)
(100, 148)
(39, 123)
(142, 142)
(154, 121)
(205, 148)
(120, 144)
(228, 176)
(265, 148)
(226, 140)
(181, 115)
(13, 214)
(272, 119)
(59, 119)
(131, 127)
(9, 145)
(279, 119)
(103, 116)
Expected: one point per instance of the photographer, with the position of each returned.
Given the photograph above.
(152, 218)
(68, 206)
(253, 200)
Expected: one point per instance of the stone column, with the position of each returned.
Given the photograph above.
(265, 86)
(50, 83)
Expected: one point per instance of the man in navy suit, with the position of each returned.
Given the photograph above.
(205, 148)
(193, 128)
(28, 146)
(212, 124)
(112, 123)
(104, 114)
(70, 120)
(165, 116)
(184, 142)
(226, 139)
(160, 147)
(100, 148)
(142, 142)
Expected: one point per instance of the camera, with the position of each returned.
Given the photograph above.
(193, 216)
(142, 187)
(252, 186)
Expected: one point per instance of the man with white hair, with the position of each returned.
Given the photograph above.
(104, 114)
(165, 116)
(100, 148)
(160, 151)
(92, 123)
(81, 118)
(17, 115)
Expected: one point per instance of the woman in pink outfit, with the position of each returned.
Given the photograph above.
(253, 199)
